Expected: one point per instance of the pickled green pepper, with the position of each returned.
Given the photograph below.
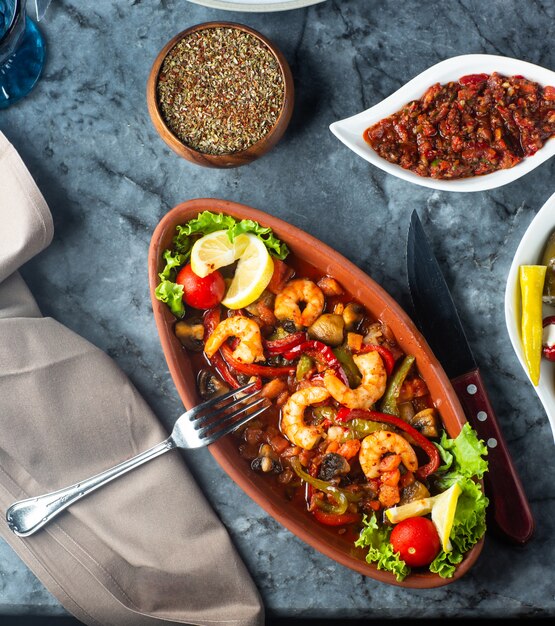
(532, 278)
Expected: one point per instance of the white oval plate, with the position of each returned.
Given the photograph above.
(350, 130)
(529, 252)
(256, 5)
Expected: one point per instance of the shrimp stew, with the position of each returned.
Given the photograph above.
(351, 432)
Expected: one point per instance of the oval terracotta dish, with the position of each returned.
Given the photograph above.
(380, 304)
(231, 159)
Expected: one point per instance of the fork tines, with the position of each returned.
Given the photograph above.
(215, 418)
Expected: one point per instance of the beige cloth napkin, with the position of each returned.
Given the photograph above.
(144, 549)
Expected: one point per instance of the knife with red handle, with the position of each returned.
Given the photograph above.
(438, 320)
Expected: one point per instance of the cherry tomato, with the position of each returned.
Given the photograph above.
(201, 293)
(416, 540)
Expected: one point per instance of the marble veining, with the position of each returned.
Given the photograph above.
(87, 138)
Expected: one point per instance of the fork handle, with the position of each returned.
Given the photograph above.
(25, 517)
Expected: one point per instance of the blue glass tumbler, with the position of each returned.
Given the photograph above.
(21, 52)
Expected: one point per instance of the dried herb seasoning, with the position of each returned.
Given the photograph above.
(220, 90)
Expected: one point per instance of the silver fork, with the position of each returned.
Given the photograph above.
(198, 427)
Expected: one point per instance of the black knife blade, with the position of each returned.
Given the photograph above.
(438, 320)
(436, 315)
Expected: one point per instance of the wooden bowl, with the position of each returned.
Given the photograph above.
(233, 159)
(381, 305)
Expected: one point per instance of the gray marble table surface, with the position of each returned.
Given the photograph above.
(86, 137)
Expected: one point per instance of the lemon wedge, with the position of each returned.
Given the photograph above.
(443, 513)
(253, 273)
(214, 250)
(397, 514)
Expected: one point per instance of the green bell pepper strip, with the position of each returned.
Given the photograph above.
(304, 365)
(393, 389)
(341, 496)
(361, 428)
(323, 413)
(358, 428)
(345, 357)
(320, 352)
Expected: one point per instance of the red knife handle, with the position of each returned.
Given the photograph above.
(509, 508)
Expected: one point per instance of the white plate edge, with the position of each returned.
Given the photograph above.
(448, 69)
(254, 8)
(528, 252)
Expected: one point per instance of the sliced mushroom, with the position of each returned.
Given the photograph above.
(426, 422)
(263, 308)
(353, 314)
(374, 333)
(191, 333)
(333, 465)
(209, 385)
(406, 411)
(330, 286)
(288, 326)
(328, 329)
(415, 491)
(266, 461)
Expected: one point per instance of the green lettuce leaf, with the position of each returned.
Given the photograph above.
(446, 457)
(468, 452)
(204, 224)
(172, 294)
(173, 262)
(208, 222)
(380, 550)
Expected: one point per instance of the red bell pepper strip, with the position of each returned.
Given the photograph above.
(210, 321)
(279, 346)
(387, 355)
(253, 369)
(320, 352)
(282, 273)
(423, 442)
(221, 367)
(343, 415)
(333, 519)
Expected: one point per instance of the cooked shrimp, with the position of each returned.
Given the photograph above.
(243, 328)
(292, 417)
(371, 388)
(300, 290)
(381, 442)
